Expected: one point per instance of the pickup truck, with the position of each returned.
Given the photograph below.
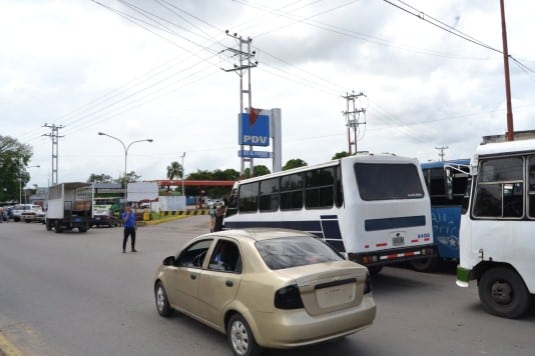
(27, 212)
(37, 215)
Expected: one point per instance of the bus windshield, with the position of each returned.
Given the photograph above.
(388, 181)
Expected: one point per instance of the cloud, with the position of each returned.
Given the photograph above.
(152, 70)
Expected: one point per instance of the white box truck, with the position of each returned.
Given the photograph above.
(69, 207)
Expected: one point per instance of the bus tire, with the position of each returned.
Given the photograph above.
(503, 293)
(430, 264)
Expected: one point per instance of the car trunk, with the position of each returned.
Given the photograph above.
(328, 287)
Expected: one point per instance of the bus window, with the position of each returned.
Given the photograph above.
(319, 190)
(500, 188)
(531, 186)
(291, 195)
(269, 194)
(388, 181)
(248, 197)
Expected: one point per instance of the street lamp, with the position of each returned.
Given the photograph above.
(126, 148)
(183, 171)
(20, 183)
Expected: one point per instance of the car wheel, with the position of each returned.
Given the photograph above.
(162, 303)
(503, 293)
(240, 337)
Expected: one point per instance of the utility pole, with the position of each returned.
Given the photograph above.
(353, 119)
(54, 135)
(245, 61)
(510, 128)
(442, 154)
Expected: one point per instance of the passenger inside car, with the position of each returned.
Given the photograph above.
(226, 257)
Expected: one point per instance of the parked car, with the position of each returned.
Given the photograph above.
(104, 217)
(35, 214)
(20, 208)
(266, 288)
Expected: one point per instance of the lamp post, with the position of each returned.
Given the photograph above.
(20, 183)
(183, 171)
(126, 148)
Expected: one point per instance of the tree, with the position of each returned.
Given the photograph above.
(175, 169)
(130, 177)
(213, 192)
(294, 163)
(14, 157)
(99, 178)
(259, 170)
(340, 155)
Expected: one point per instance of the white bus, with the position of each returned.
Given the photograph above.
(497, 238)
(374, 209)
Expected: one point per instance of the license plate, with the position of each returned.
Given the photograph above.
(398, 240)
(329, 297)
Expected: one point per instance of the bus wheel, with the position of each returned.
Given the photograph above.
(503, 293)
(430, 264)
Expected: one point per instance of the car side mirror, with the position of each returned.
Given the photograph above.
(169, 261)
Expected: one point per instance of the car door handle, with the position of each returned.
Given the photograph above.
(229, 283)
(193, 276)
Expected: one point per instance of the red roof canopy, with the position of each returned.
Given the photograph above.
(195, 183)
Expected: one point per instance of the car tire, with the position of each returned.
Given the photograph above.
(503, 293)
(241, 338)
(162, 303)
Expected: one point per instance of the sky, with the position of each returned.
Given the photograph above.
(140, 69)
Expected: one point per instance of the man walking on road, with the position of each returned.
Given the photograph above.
(129, 223)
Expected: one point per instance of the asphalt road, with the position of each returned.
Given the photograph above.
(77, 294)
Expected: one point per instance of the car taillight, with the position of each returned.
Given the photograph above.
(367, 284)
(288, 298)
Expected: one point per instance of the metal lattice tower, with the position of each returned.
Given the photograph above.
(353, 119)
(441, 154)
(245, 59)
(54, 135)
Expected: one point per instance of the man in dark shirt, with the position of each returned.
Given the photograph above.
(129, 222)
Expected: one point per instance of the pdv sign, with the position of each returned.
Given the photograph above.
(254, 133)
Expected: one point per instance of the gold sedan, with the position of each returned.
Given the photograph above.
(266, 288)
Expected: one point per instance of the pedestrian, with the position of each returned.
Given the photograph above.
(129, 222)
(219, 215)
(1, 214)
(212, 218)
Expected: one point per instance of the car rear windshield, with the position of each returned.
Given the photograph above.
(388, 181)
(290, 252)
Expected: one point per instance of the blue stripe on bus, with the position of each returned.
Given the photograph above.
(331, 229)
(337, 244)
(394, 223)
(330, 217)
